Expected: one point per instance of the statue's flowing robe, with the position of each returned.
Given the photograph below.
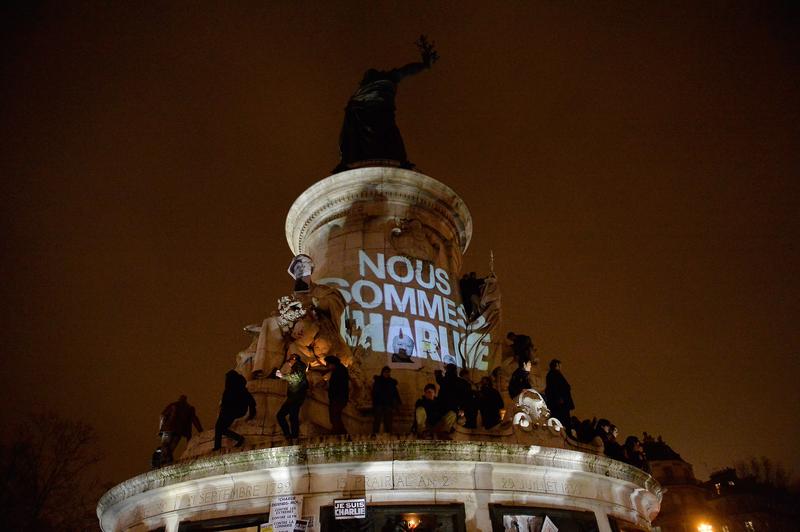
(369, 130)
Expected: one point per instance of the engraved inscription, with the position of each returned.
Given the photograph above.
(424, 481)
(212, 496)
(358, 482)
(539, 485)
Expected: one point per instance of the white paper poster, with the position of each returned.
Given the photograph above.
(548, 525)
(283, 512)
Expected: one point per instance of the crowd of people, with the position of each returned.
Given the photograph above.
(452, 399)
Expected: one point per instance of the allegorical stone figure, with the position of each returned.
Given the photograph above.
(369, 130)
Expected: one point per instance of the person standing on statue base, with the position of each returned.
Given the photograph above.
(385, 400)
(558, 395)
(490, 403)
(294, 373)
(236, 402)
(520, 379)
(338, 393)
(176, 422)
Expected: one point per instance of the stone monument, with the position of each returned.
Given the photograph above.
(378, 253)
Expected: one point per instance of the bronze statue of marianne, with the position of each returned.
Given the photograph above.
(369, 131)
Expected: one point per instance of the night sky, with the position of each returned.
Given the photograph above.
(634, 167)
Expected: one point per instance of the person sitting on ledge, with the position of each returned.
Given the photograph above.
(490, 403)
(454, 392)
(431, 415)
(236, 402)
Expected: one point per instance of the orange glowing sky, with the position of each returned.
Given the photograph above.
(634, 167)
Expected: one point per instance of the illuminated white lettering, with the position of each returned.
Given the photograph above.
(431, 281)
(377, 294)
(371, 333)
(379, 269)
(450, 312)
(432, 309)
(443, 281)
(391, 265)
(392, 299)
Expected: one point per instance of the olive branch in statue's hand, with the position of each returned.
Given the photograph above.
(426, 50)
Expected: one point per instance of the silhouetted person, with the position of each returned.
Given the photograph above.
(520, 379)
(431, 415)
(338, 393)
(490, 403)
(522, 347)
(385, 400)
(601, 432)
(236, 402)
(454, 392)
(470, 287)
(558, 394)
(613, 449)
(369, 130)
(634, 454)
(585, 430)
(294, 373)
(471, 405)
(176, 422)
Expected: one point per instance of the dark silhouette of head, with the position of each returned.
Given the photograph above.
(555, 363)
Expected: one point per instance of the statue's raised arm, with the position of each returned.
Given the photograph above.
(428, 55)
(369, 135)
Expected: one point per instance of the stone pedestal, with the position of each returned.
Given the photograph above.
(385, 472)
(392, 241)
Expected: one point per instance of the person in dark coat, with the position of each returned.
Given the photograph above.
(612, 448)
(490, 403)
(520, 379)
(454, 392)
(176, 423)
(338, 393)
(470, 405)
(385, 400)
(557, 394)
(294, 373)
(633, 454)
(236, 402)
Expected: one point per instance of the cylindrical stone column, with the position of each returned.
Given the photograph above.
(392, 241)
